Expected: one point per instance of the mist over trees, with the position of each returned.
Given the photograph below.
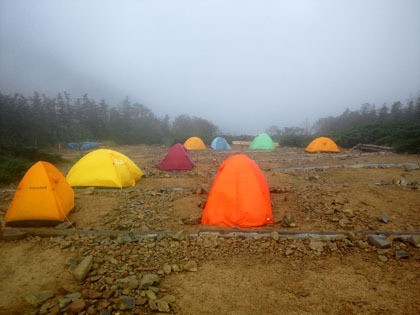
(42, 121)
(368, 113)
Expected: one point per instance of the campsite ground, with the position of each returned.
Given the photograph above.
(236, 276)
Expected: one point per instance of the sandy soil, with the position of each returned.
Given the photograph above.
(356, 284)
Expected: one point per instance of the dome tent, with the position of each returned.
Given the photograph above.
(194, 143)
(220, 143)
(239, 195)
(43, 197)
(322, 144)
(178, 158)
(104, 168)
(262, 142)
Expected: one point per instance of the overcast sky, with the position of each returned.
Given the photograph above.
(242, 64)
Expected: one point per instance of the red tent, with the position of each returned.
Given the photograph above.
(178, 158)
(239, 196)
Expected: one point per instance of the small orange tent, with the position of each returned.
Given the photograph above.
(42, 197)
(194, 143)
(322, 144)
(239, 196)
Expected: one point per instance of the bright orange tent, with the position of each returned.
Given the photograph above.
(322, 144)
(239, 196)
(194, 143)
(42, 197)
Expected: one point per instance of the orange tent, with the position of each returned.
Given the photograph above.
(194, 143)
(239, 196)
(42, 197)
(322, 144)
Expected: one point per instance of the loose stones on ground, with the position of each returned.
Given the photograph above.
(83, 268)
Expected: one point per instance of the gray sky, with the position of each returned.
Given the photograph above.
(242, 64)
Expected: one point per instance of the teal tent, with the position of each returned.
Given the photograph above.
(262, 142)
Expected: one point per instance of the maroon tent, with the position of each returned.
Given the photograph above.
(178, 158)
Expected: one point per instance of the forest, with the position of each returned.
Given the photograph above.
(31, 125)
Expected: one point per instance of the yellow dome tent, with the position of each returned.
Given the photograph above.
(104, 168)
(322, 144)
(42, 197)
(194, 143)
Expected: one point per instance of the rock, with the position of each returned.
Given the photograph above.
(141, 301)
(411, 166)
(105, 312)
(362, 244)
(95, 278)
(148, 280)
(344, 222)
(126, 238)
(65, 244)
(349, 213)
(179, 236)
(13, 235)
(91, 294)
(64, 225)
(88, 191)
(73, 296)
(403, 181)
(163, 306)
(91, 310)
(151, 295)
(190, 266)
(378, 241)
(128, 283)
(401, 254)
(39, 297)
(76, 306)
(289, 220)
(316, 246)
(414, 240)
(168, 299)
(175, 268)
(275, 236)
(152, 305)
(383, 217)
(167, 268)
(71, 261)
(126, 302)
(83, 268)
(64, 302)
(45, 308)
(383, 258)
(313, 177)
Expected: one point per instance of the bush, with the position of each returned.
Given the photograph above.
(402, 137)
(11, 169)
(16, 160)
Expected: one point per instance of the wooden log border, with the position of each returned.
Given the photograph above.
(228, 233)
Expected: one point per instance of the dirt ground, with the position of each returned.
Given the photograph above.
(330, 199)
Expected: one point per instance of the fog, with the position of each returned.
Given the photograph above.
(244, 65)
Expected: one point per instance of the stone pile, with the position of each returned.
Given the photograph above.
(126, 276)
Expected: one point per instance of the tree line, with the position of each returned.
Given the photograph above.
(42, 121)
(396, 113)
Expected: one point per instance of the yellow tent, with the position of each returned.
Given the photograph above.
(194, 143)
(105, 168)
(43, 196)
(322, 144)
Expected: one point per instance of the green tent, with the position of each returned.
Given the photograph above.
(262, 142)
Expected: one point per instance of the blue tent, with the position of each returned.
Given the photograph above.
(220, 143)
(73, 146)
(89, 145)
